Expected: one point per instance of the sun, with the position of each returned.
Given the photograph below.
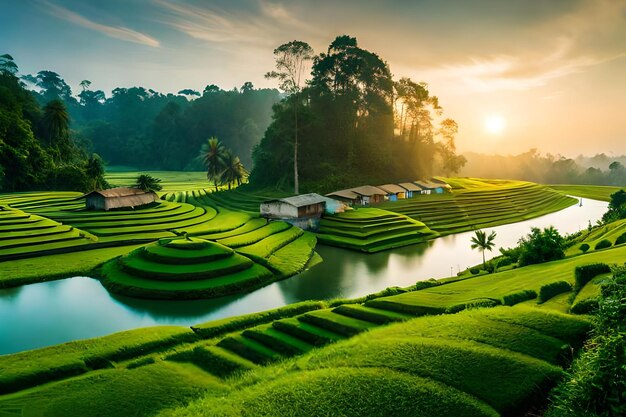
(495, 124)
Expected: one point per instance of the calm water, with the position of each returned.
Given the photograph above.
(76, 308)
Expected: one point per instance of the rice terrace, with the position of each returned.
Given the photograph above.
(269, 208)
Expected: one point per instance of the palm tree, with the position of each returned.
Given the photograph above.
(56, 120)
(483, 242)
(234, 171)
(148, 183)
(212, 155)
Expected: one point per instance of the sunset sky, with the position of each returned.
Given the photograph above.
(514, 74)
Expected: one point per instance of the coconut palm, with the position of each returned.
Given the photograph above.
(148, 183)
(234, 171)
(212, 155)
(56, 121)
(483, 242)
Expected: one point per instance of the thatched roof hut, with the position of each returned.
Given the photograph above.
(120, 197)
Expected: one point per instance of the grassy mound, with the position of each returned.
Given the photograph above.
(371, 230)
(477, 203)
(183, 268)
(345, 392)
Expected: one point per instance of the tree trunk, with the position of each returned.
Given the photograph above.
(296, 185)
(484, 264)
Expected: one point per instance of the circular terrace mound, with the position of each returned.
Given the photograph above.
(183, 268)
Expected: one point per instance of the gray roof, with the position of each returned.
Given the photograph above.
(427, 185)
(301, 200)
(347, 194)
(368, 190)
(409, 186)
(391, 188)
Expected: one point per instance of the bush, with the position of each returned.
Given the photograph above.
(584, 247)
(555, 288)
(620, 239)
(518, 297)
(603, 244)
(586, 273)
(475, 271)
(541, 246)
(586, 306)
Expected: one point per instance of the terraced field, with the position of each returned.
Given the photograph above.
(22, 234)
(434, 365)
(484, 362)
(235, 200)
(371, 230)
(476, 204)
(277, 249)
(183, 268)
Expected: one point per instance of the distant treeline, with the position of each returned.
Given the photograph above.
(549, 169)
(147, 129)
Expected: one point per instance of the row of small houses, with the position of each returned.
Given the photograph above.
(368, 194)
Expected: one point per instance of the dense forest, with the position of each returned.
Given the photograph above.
(351, 123)
(146, 129)
(36, 148)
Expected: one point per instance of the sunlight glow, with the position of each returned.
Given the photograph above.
(495, 124)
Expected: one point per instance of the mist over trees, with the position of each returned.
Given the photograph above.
(550, 169)
(144, 128)
(355, 125)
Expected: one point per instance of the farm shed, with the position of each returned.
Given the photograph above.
(411, 189)
(442, 184)
(299, 206)
(120, 197)
(346, 196)
(394, 191)
(369, 195)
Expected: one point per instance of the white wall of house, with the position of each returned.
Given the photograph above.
(278, 209)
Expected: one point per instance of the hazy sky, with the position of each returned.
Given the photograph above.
(549, 74)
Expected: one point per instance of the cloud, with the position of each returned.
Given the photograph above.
(116, 32)
(570, 44)
(260, 23)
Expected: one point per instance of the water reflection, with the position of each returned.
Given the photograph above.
(54, 312)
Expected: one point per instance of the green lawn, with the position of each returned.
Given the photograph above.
(594, 192)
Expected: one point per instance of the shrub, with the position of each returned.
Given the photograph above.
(518, 297)
(475, 271)
(541, 246)
(554, 288)
(603, 244)
(620, 239)
(584, 247)
(585, 273)
(586, 306)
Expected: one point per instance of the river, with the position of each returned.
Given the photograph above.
(54, 312)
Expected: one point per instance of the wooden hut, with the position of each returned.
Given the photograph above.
(120, 197)
(297, 207)
(369, 195)
(394, 191)
(411, 189)
(425, 186)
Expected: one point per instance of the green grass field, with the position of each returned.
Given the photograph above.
(594, 192)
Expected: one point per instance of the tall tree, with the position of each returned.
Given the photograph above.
(7, 65)
(291, 59)
(212, 155)
(483, 242)
(56, 122)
